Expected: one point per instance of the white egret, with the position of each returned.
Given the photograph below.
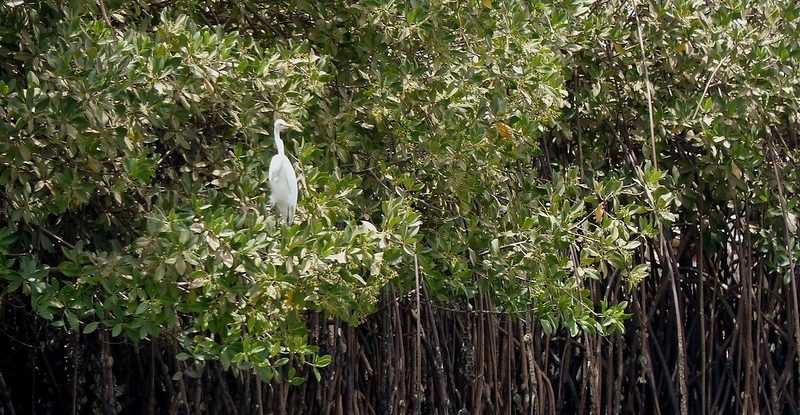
(282, 179)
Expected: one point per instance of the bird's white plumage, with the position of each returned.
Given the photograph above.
(283, 182)
(282, 179)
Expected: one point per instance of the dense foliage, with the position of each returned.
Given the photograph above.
(523, 152)
(135, 173)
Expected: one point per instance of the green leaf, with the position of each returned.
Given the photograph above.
(140, 308)
(73, 321)
(91, 327)
(323, 361)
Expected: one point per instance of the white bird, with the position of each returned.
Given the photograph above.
(282, 179)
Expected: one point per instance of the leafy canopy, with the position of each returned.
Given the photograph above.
(135, 158)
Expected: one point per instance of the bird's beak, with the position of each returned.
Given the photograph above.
(295, 127)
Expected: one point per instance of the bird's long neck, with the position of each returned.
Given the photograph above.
(278, 142)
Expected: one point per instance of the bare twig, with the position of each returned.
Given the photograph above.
(102, 5)
(9, 406)
(417, 352)
(787, 238)
(56, 237)
(265, 22)
(708, 83)
(648, 87)
(665, 253)
(576, 83)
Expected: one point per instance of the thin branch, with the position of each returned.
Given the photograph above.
(787, 237)
(417, 352)
(9, 405)
(56, 237)
(708, 83)
(648, 88)
(103, 11)
(265, 22)
(665, 253)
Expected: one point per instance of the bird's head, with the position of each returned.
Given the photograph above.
(281, 125)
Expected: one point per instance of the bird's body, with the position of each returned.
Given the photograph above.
(282, 179)
(283, 182)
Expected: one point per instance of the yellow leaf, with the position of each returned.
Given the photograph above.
(619, 48)
(503, 129)
(92, 165)
(736, 171)
(133, 135)
(487, 3)
(377, 115)
(681, 47)
(598, 213)
(289, 298)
